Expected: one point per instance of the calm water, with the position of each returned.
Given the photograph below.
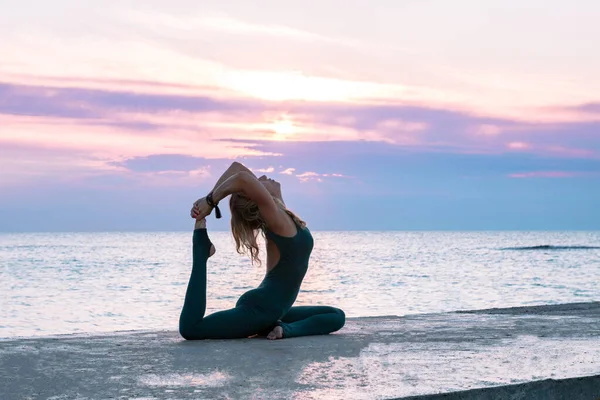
(99, 282)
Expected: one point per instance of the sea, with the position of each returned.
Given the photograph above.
(66, 283)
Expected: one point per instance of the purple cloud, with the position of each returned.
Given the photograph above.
(94, 103)
(589, 107)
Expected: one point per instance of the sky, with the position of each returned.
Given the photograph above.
(378, 115)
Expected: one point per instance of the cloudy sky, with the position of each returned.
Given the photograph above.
(384, 114)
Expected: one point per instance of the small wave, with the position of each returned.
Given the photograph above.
(317, 291)
(551, 247)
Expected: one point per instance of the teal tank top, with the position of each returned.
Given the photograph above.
(280, 286)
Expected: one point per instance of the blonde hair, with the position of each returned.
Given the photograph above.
(247, 224)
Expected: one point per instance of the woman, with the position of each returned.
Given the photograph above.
(256, 207)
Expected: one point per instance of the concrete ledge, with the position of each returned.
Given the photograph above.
(518, 353)
(565, 389)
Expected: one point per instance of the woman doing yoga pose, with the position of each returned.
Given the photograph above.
(256, 207)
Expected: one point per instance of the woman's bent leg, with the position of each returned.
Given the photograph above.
(239, 322)
(194, 305)
(312, 320)
(236, 323)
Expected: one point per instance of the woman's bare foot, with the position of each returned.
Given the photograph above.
(201, 224)
(276, 333)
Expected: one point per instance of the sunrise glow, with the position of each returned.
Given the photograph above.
(283, 128)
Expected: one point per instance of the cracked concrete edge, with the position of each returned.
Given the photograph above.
(581, 388)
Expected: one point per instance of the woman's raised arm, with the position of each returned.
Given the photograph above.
(233, 169)
(245, 182)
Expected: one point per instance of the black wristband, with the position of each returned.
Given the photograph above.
(211, 202)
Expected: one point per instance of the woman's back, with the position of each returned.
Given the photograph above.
(281, 284)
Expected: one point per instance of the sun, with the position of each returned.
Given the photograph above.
(283, 128)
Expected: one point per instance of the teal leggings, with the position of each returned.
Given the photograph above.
(244, 320)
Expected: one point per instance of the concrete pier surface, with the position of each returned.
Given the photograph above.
(545, 352)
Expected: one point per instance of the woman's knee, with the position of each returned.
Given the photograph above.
(341, 317)
(189, 332)
(185, 333)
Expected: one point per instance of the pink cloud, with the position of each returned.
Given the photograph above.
(589, 112)
(89, 140)
(518, 145)
(141, 86)
(307, 176)
(486, 130)
(288, 171)
(571, 152)
(265, 170)
(545, 174)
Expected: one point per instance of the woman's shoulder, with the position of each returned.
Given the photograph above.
(285, 225)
